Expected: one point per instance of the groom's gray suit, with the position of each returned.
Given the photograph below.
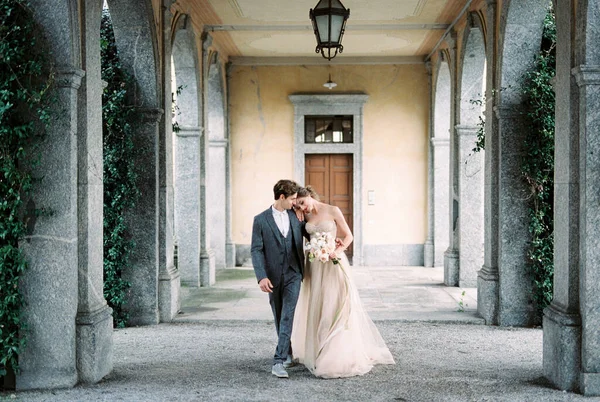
(281, 259)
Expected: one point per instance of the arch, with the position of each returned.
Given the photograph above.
(186, 175)
(136, 38)
(520, 38)
(218, 145)
(470, 177)
(441, 160)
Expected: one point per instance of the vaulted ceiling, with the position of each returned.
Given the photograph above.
(281, 29)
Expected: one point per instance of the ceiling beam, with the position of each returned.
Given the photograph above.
(357, 27)
(318, 60)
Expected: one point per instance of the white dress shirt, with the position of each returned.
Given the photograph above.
(282, 219)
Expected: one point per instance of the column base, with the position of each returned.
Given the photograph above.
(451, 267)
(562, 348)
(590, 384)
(487, 295)
(428, 254)
(229, 255)
(46, 378)
(207, 268)
(94, 345)
(142, 318)
(169, 294)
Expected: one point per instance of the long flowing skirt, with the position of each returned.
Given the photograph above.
(332, 335)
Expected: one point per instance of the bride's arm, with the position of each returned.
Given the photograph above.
(342, 227)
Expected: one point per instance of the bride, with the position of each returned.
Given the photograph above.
(332, 334)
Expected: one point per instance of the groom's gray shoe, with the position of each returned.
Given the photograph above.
(279, 371)
(290, 362)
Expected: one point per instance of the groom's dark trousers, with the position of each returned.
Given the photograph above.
(280, 259)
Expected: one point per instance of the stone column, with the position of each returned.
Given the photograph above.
(562, 321)
(515, 287)
(451, 256)
(143, 222)
(441, 173)
(470, 193)
(487, 277)
(229, 245)
(94, 317)
(588, 79)
(207, 255)
(217, 197)
(50, 283)
(187, 200)
(428, 249)
(168, 275)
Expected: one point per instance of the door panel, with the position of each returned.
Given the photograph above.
(331, 176)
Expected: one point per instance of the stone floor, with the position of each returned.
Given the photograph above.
(396, 293)
(220, 349)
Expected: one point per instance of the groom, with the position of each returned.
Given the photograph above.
(277, 257)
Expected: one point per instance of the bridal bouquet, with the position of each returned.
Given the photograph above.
(320, 246)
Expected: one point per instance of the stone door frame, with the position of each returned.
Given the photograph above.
(336, 104)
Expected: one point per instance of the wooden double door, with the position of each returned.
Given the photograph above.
(331, 176)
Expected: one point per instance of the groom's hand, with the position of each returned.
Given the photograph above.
(266, 285)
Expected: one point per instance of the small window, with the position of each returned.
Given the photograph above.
(327, 129)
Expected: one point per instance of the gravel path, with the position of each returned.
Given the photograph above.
(230, 361)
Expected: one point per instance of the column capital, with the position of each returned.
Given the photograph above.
(69, 77)
(507, 111)
(466, 130)
(189, 131)
(586, 75)
(221, 143)
(150, 115)
(436, 141)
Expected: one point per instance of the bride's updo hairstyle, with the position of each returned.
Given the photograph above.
(308, 191)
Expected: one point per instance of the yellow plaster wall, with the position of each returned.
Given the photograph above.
(394, 150)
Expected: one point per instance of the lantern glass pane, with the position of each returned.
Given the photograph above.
(337, 22)
(323, 27)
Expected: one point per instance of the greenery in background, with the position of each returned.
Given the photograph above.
(24, 115)
(480, 141)
(175, 108)
(538, 164)
(120, 189)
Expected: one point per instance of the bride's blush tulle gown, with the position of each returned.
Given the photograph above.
(332, 335)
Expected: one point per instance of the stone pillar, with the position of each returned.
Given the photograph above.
(441, 173)
(515, 288)
(217, 198)
(187, 201)
(168, 275)
(428, 249)
(562, 321)
(588, 79)
(143, 222)
(229, 245)
(451, 256)
(470, 193)
(50, 283)
(488, 277)
(94, 317)
(207, 255)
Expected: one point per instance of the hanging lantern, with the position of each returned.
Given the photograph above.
(329, 22)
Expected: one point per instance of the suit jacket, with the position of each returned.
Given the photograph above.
(267, 245)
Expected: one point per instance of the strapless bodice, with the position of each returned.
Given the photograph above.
(323, 226)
